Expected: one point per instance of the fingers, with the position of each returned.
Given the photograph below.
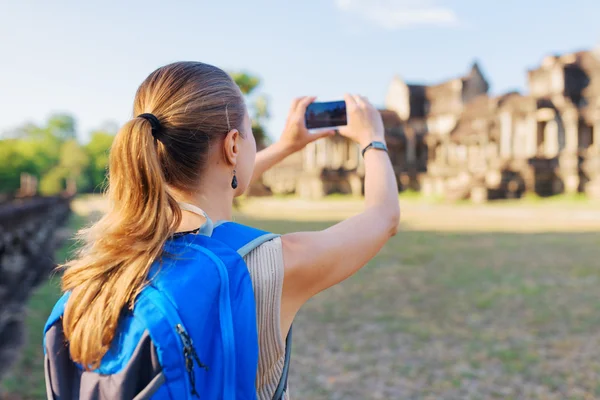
(350, 101)
(363, 102)
(344, 130)
(359, 100)
(320, 135)
(303, 103)
(294, 104)
(355, 100)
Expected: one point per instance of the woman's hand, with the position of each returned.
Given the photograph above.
(295, 135)
(365, 124)
(294, 138)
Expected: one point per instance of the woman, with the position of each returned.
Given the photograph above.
(188, 153)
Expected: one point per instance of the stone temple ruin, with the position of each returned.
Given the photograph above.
(454, 140)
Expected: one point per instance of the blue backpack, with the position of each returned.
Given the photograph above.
(192, 332)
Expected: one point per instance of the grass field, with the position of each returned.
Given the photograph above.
(466, 302)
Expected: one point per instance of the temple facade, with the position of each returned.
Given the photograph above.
(543, 142)
(454, 140)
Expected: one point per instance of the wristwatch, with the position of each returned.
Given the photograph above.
(375, 145)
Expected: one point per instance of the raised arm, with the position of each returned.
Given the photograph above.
(295, 137)
(315, 261)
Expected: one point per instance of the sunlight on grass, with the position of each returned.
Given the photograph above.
(573, 198)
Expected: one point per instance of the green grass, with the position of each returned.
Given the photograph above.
(26, 379)
(452, 315)
(513, 310)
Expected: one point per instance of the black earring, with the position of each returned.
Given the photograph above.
(234, 183)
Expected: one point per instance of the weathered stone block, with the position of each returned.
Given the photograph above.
(479, 194)
(27, 242)
(592, 189)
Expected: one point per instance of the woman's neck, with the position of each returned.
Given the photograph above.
(216, 205)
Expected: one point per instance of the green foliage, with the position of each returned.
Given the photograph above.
(73, 157)
(34, 155)
(258, 105)
(52, 154)
(62, 126)
(97, 150)
(245, 81)
(74, 161)
(53, 182)
(10, 158)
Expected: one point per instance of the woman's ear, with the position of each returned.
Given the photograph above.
(231, 147)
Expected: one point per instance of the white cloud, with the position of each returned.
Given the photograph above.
(400, 14)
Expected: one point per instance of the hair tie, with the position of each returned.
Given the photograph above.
(154, 123)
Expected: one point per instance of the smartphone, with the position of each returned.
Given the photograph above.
(326, 115)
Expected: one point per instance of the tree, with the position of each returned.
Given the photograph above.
(257, 104)
(53, 182)
(49, 152)
(62, 127)
(69, 173)
(245, 81)
(97, 150)
(32, 155)
(11, 162)
(74, 160)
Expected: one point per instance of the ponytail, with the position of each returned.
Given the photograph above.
(111, 270)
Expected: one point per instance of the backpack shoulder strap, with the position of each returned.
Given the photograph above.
(244, 239)
(56, 314)
(241, 238)
(283, 381)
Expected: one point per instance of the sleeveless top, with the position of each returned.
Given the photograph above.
(265, 264)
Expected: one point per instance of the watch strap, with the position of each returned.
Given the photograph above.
(374, 145)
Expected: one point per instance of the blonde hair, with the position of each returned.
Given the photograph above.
(196, 105)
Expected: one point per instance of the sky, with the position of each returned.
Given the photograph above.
(87, 58)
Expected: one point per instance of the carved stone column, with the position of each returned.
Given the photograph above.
(596, 136)
(309, 156)
(570, 122)
(591, 167)
(506, 133)
(568, 164)
(411, 150)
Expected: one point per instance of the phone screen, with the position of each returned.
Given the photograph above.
(326, 115)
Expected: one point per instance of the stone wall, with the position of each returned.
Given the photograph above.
(28, 239)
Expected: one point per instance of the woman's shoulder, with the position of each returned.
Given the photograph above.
(265, 249)
(265, 262)
(274, 243)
